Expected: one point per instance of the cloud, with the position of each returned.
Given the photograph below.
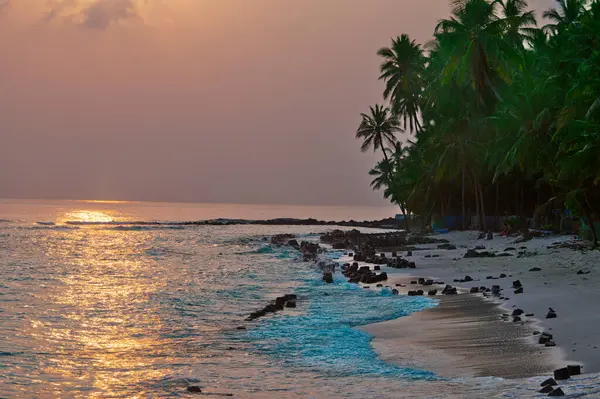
(94, 14)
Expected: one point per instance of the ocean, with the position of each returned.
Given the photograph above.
(97, 301)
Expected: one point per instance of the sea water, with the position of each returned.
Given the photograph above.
(95, 305)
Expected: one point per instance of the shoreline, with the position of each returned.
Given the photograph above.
(488, 345)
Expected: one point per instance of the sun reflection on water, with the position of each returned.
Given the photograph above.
(109, 332)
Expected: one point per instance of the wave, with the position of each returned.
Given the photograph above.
(329, 342)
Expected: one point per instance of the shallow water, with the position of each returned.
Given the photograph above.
(104, 311)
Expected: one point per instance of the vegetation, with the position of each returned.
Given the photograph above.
(504, 115)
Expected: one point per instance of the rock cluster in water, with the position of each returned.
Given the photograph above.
(285, 301)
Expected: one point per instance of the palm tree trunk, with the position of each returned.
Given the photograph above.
(384, 154)
(482, 215)
(464, 214)
(477, 204)
(497, 204)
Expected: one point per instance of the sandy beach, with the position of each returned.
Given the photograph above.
(466, 336)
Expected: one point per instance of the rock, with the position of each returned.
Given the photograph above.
(561, 374)
(468, 278)
(549, 382)
(517, 284)
(379, 285)
(432, 292)
(456, 280)
(339, 245)
(413, 282)
(536, 333)
(557, 392)
(546, 389)
(395, 292)
(516, 319)
(241, 327)
(293, 243)
(496, 290)
(574, 369)
(543, 339)
(490, 236)
(474, 290)
(376, 267)
(413, 293)
(549, 344)
(480, 247)
(194, 388)
(421, 281)
(551, 314)
(510, 249)
(328, 278)
(291, 304)
(535, 269)
(583, 272)
(519, 290)
(409, 253)
(471, 253)
(489, 277)
(502, 275)
(394, 254)
(449, 290)
(428, 256)
(517, 312)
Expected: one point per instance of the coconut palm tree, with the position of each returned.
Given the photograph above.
(378, 129)
(567, 13)
(401, 71)
(520, 23)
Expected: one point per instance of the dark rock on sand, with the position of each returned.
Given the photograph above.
(449, 290)
(293, 243)
(474, 290)
(529, 315)
(583, 272)
(549, 382)
(517, 312)
(408, 253)
(551, 314)
(502, 275)
(496, 289)
(471, 253)
(557, 392)
(517, 284)
(376, 267)
(519, 290)
(415, 293)
(379, 285)
(432, 292)
(535, 269)
(574, 369)
(546, 389)
(516, 319)
(550, 344)
(194, 388)
(561, 374)
(421, 281)
(468, 278)
(413, 282)
(510, 249)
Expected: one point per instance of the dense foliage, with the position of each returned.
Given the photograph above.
(505, 115)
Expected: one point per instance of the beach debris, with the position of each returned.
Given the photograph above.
(549, 382)
(446, 246)
(471, 253)
(551, 314)
(557, 392)
(535, 269)
(194, 388)
(432, 292)
(580, 272)
(574, 369)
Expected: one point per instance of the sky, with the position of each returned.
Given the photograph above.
(231, 101)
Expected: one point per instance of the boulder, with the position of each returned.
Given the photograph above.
(328, 278)
(413, 282)
(529, 315)
(516, 319)
(294, 243)
(544, 339)
(339, 245)
(549, 381)
(376, 267)
(574, 369)
(379, 285)
(290, 304)
(546, 389)
(557, 392)
(561, 374)
(490, 236)
(428, 282)
(583, 272)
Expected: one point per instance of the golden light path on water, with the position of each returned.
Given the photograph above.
(112, 333)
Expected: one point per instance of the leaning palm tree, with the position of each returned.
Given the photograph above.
(382, 173)
(378, 129)
(402, 71)
(474, 34)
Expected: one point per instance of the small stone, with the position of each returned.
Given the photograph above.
(519, 290)
(529, 315)
(194, 388)
(516, 319)
(517, 312)
(535, 269)
(502, 275)
(241, 327)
